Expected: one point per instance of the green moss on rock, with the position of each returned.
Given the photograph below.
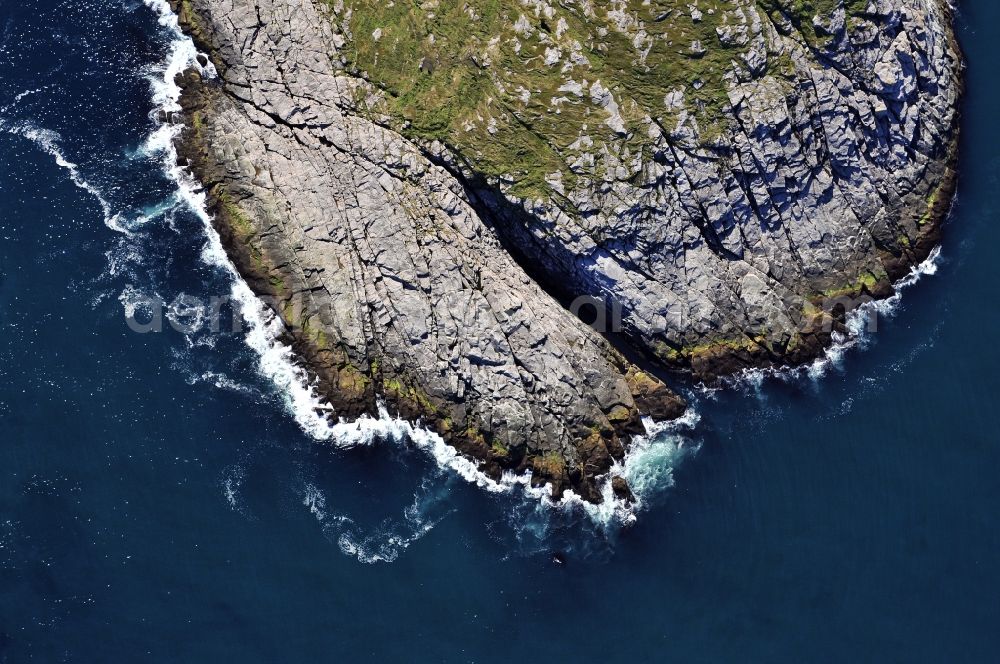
(520, 91)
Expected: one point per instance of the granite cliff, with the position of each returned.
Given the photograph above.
(429, 193)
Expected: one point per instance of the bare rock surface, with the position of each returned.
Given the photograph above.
(405, 274)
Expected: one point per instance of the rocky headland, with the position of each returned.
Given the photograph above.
(438, 198)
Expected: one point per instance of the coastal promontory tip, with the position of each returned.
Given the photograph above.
(429, 195)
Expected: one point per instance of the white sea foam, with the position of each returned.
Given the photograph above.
(232, 488)
(224, 382)
(315, 501)
(648, 465)
(382, 546)
(389, 538)
(262, 327)
(48, 141)
(648, 468)
(137, 305)
(22, 95)
(393, 536)
(858, 335)
(857, 323)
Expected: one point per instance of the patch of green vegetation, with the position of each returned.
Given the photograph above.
(513, 88)
(801, 12)
(475, 435)
(551, 464)
(866, 281)
(315, 333)
(735, 344)
(277, 281)
(396, 388)
(667, 353)
(931, 207)
(499, 449)
(243, 227)
(352, 381)
(236, 218)
(258, 259)
(188, 17)
(619, 414)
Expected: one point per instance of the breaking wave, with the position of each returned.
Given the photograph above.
(383, 542)
(648, 466)
(859, 335)
(48, 141)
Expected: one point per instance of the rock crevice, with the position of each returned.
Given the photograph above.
(408, 270)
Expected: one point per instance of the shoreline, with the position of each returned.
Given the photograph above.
(715, 364)
(357, 390)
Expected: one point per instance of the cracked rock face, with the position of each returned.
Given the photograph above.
(408, 268)
(391, 283)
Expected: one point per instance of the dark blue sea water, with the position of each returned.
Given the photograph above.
(159, 502)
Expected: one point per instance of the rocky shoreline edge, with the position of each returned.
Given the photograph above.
(355, 390)
(716, 362)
